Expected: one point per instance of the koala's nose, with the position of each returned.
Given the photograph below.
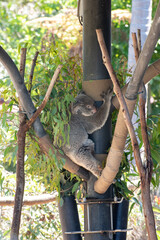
(94, 110)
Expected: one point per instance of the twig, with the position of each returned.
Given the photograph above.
(135, 46)
(32, 71)
(139, 40)
(23, 62)
(43, 104)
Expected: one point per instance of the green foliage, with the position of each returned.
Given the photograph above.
(154, 137)
(154, 84)
(44, 171)
(123, 178)
(120, 34)
(122, 4)
(41, 222)
(43, 7)
(55, 116)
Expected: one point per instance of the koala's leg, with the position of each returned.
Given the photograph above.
(84, 158)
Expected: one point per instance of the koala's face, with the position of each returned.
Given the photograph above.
(83, 105)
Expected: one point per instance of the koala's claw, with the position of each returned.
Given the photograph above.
(103, 94)
(107, 95)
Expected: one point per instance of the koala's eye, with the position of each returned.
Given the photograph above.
(89, 106)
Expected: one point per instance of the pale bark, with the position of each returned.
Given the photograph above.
(152, 71)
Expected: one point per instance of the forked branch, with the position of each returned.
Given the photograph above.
(145, 179)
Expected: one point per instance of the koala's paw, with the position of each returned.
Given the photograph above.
(103, 94)
(110, 92)
(97, 172)
(107, 95)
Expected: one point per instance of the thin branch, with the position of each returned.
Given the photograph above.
(135, 46)
(32, 71)
(142, 101)
(29, 200)
(139, 40)
(43, 104)
(23, 62)
(145, 179)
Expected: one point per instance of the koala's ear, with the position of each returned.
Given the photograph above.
(82, 92)
(75, 107)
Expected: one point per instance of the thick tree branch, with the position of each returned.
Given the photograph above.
(21, 90)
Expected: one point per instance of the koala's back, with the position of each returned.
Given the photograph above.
(77, 135)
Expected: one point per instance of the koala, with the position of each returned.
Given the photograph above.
(85, 119)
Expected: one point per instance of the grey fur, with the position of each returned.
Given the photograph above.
(86, 119)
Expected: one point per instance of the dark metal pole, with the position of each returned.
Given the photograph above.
(97, 14)
(69, 218)
(120, 218)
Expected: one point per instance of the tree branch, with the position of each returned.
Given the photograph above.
(20, 176)
(152, 71)
(32, 71)
(46, 98)
(135, 46)
(123, 105)
(126, 120)
(29, 200)
(144, 58)
(145, 179)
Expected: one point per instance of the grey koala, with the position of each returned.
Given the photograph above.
(85, 119)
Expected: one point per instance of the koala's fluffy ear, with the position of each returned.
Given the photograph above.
(75, 107)
(82, 92)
